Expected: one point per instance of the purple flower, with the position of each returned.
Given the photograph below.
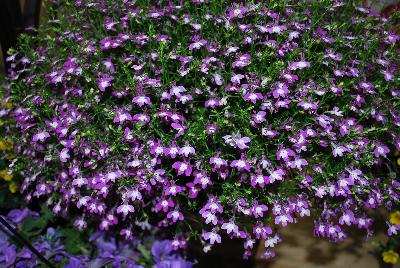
(283, 219)
(125, 209)
(183, 168)
(64, 156)
(237, 12)
(280, 90)
(122, 116)
(259, 179)
(347, 218)
(297, 163)
(202, 179)
(142, 100)
(186, 150)
(40, 136)
(109, 65)
(197, 44)
(164, 205)
(258, 210)
(211, 103)
(276, 175)
(230, 227)
(175, 215)
(298, 65)
(103, 83)
(218, 162)
(172, 150)
(253, 97)
(284, 153)
(241, 164)
(241, 61)
(380, 150)
(141, 118)
(213, 237)
(236, 78)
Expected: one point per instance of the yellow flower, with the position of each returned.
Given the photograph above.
(5, 174)
(390, 256)
(13, 187)
(398, 161)
(395, 218)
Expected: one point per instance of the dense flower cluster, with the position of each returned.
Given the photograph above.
(243, 116)
(108, 252)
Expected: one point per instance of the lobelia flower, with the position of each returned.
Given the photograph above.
(175, 215)
(241, 61)
(186, 150)
(125, 209)
(121, 116)
(183, 168)
(217, 162)
(280, 90)
(272, 241)
(40, 136)
(276, 175)
(173, 190)
(141, 118)
(261, 232)
(297, 163)
(180, 128)
(193, 190)
(172, 151)
(230, 227)
(164, 205)
(127, 233)
(299, 65)
(104, 83)
(211, 103)
(213, 237)
(283, 219)
(284, 153)
(109, 65)
(259, 117)
(380, 150)
(197, 44)
(213, 205)
(347, 218)
(259, 179)
(64, 155)
(142, 100)
(258, 210)
(209, 217)
(236, 78)
(241, 164)
(237, 12)
(253, 97)
(202, 179)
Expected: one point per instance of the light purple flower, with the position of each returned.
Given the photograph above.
(299, 65)
(213, 237)
(284, 153)
(280, 90)
(241, 164)
(380, 150)
(125, 209)
(64, 155)
(183, 168)
(142, 100)
(197, 44)
(104, 83)
(40, 136)
(141, 118)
